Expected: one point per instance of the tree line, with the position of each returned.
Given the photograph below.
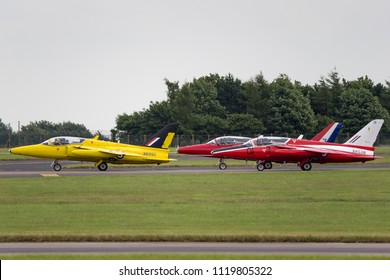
(39, 131)
(225, 105)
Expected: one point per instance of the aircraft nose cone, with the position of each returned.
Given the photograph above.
(15, 151)
(184, 150)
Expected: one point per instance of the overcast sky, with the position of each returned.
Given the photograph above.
(88, 61)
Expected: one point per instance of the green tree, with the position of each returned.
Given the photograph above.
(358, 107)
(194, 99)
(5, 133)
(38, 131)
(72, 129)
(205, 93)
(322, 122)
(325, 95)
(130, 124)
(245, 125)
(5, 129)
(182, 105)
(209, 125)
(288, 110)
(156, 117)
(383, 93)
(360, 83)
(229, 94)
(256, 92)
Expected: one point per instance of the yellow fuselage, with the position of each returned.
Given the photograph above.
(96, 150)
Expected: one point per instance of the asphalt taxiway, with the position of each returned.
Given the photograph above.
(349, 249)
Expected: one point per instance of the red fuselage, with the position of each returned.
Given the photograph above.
(296, 150)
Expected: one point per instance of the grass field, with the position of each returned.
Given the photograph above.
(346, 206)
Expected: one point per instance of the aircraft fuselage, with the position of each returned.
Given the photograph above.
(95, 150)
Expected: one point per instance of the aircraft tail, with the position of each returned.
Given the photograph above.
(367, 135)
(163, 138)
(329, 133)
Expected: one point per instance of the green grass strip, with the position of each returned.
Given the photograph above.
(321, 206)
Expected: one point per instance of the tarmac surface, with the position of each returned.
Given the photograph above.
(352, 249)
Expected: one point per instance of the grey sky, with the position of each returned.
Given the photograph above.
(88, 61)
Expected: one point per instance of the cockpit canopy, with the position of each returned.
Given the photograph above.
(63, 140)
(228, 140)
(266, 140)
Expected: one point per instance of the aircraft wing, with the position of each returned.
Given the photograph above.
(314, 151)
(317, 150)
(118, 153)
(110, 152)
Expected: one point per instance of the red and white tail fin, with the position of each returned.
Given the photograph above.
(329, 133)
(367, 135)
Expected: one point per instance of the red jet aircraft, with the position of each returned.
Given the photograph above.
(264, 150)
(328, 134)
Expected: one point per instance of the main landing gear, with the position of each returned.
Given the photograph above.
(305, 166)
(261, 165)
(56, 166)
(102, 166)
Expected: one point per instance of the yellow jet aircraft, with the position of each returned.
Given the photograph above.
(155, 150)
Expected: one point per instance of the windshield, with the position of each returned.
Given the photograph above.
(212, 142)
(229, 140)
(261, 141)
(63, 140)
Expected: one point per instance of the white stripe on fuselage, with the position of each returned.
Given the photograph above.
(341, 148)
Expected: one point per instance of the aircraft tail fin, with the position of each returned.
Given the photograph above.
(367, 135)
(163, 138)
(329, 133)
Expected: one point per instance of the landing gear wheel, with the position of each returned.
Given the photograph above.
(57, 167)
(103, 166)
(222, 166)
(260, 167)
(268, 165)
(306, 166)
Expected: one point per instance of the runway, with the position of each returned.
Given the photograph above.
(42, 168)
(352, 249)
